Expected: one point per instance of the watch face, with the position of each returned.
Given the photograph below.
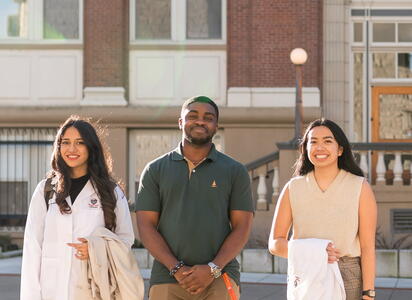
(215, 270)
(370, 293)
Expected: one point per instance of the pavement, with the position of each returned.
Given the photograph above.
(255, 286)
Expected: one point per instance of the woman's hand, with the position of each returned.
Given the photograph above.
(333, 253)
(82, 249)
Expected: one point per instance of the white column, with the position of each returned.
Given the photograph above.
(380, 168)
(262, 193)
(410, 172)
(397, 169)
(275, 182)
(364, 163)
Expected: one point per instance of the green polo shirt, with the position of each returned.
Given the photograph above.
(194, 212)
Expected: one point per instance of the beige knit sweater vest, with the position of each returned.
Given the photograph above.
(331, 214)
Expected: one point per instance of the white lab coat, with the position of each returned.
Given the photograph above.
(49, 267)
(310, 276)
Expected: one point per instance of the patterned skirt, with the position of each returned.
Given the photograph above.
(350, 268)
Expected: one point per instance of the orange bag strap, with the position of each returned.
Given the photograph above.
(229, 286)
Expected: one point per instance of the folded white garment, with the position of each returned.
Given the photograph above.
(310, 277)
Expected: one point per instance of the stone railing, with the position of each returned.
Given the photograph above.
(389, 263)
(385, 163)
(265, 171)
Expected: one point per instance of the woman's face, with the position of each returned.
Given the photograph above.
(322, 148)
(74, 152)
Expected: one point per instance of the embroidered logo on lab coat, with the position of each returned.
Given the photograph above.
(93, 203)
(296, 281)
(214, 185)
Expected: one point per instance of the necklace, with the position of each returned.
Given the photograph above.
(195, 163)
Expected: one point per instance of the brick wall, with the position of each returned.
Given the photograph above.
(106, 40)
(261, 35)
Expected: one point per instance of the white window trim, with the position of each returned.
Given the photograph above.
(178, 27)
(35, 27)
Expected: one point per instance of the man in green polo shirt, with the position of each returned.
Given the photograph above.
(194, 212)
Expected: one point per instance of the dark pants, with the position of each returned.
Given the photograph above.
(350, 268)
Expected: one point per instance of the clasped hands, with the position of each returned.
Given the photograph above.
(194, 279)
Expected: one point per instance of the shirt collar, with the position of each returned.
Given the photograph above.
(177, 153)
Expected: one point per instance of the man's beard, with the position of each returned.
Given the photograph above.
(199, 141)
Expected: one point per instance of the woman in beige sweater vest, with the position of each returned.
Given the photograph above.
(330, 199)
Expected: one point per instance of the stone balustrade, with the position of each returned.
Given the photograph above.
(389, 263)
(385, 163)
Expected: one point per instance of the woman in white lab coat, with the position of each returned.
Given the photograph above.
(85, 197)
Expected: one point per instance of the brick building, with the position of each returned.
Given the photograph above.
(131, 63)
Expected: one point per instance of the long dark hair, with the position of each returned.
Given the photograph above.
(99, 165)
(346, 161)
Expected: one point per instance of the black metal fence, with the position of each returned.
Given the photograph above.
(24, 161)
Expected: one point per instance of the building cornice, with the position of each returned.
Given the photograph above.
(149, 116)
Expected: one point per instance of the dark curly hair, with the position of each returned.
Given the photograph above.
(99, 166)
(346, 161)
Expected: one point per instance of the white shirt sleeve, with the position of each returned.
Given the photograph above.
(124, 227)
(33, 239)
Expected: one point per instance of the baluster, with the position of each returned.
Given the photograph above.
(275, 182)
(262, 192)
(364, 163)
(397, 169)
(410, 172)
(380, 168)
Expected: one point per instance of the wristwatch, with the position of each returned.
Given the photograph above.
(369, 293)
(215, 270)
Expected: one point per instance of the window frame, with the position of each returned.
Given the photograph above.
(373, 47)
(396, 79)
(178, 27)
(396, 43)
(35, 27)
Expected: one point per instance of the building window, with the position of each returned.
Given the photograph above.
(391, 32)
(357, 32)
(24, 159)
(405, 65)
(153, 19)
(204, 19)
(178, 20)
(384, 65)
(61, 19)
(36, 20)
(13, 19)
(381, 54)
(384, 33)
(405, 32)
(392, 65)
(358, 97)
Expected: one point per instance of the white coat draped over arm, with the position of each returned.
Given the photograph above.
(32, 247)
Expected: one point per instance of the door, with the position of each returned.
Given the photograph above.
(392, 122)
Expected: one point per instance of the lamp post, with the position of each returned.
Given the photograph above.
(298, 56)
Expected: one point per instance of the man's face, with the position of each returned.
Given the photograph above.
(198, 123)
